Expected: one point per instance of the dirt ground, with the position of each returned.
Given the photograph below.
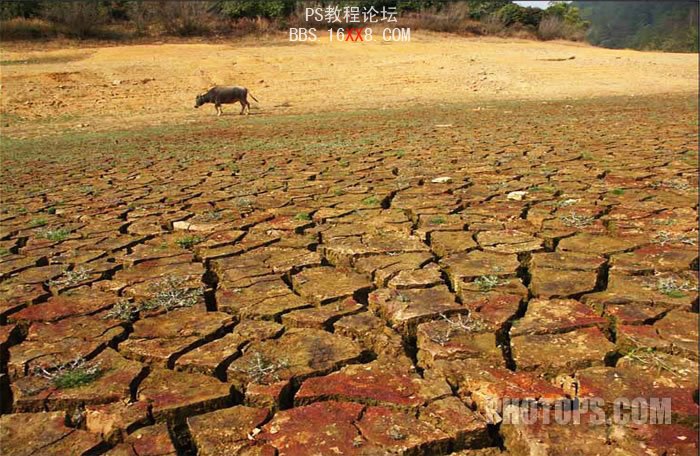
(103, 88)
(320, 278)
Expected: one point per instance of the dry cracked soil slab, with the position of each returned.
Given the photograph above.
(378, 285)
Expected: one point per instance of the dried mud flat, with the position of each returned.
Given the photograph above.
(358, 282)
(49, 89)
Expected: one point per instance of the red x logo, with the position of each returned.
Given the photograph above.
(358, 34)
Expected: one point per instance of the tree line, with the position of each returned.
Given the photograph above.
(641, 25)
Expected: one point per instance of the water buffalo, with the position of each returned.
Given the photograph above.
(223, 95)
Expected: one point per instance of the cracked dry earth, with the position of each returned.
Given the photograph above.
(352, 283)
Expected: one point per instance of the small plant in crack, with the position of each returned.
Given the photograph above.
(576, 220)
(244, 202)
(36, 222)
(188, 242)
(456, 324)
(171, 293)
(566, 202)
(122, 310)
(370, 201)
(70, 278)
(396, 433)
(403, 298)
(648, 356)
(55, 235)
(72, 374)
(664, 237)
(302, 216)
(262, 370)
(672, 288)
(675, 184)
(211, 216)
(488, 282)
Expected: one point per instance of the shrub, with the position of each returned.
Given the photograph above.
(72, 374)
(270, 9)
(186, 18)
(553, 28)
(80, 19)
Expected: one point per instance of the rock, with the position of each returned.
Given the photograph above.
(297, 354)
(172, 394)
(555, 316)
(324, 285)
(444, 243)
(23, 434)
(34, 393)
(373, 383)
(48, 345)
(554, 353)
(517, 196)
(113, 422)
(454, 339)
(321, 317)
(405, 309)
(319, 428)
(152, 440)
(226, 431)
(401, 432)
(77, 302)
(163, 338)
(470, 265)
(212, 357)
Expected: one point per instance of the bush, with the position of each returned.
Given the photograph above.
(80, 19)
(515, 14)
(553, 28)
(26, 10)
(185, 18)
(26, 29)
(270, 9)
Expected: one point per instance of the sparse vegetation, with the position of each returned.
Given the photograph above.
(456, 324)
(71, 375)
(211, 216)
(577, 221)
(664, 237)
(673, 288)
(55, 235)
(439, 220)
(370, 201)
(171, 293)
(618, 191)
(262, 370)
(70, 278)
(488, 282)
(396, 433)
(244, 202)
(188, 242)
(302, 216)
(647, 356)
(123, 310)
(566, 202)
(37, 222)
